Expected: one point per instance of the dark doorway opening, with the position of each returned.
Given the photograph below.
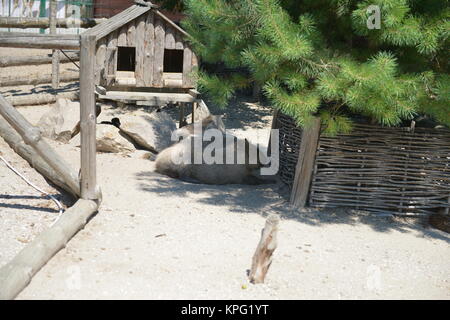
(126, 59)
(173, 60)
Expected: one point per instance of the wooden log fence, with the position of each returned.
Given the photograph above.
(34, 79)
(32, 136)
(36, 60)
(14, 140)
(39, 41)
(88, 174)
(41, 98)
(16, 275)
(24, 23)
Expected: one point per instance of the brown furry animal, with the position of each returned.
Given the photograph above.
(178, 161)
(210, 122)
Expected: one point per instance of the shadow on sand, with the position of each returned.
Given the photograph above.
(265, 199)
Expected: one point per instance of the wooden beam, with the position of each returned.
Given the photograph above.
(34, 79)
(39, 41)
(117, 21)
(17, 274)
(158, 64)
(169, 42)
(140, 51)
(41, 98)
(32, 136)
(149, 49)
(131, 34)
(87, 119)
(305, 164)
(111, 58)
(35, 60)
(262, 258)
(55, 53)
(24, 23)
(100, 63)
(275, 125)
(172, 24)
(14, 140)
(156, 97)
(187, 68)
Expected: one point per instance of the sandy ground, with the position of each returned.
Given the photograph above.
(158, 238)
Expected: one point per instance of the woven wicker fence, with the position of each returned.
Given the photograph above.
(385, 170)
(289, 140)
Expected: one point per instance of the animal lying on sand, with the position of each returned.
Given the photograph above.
(213, 157)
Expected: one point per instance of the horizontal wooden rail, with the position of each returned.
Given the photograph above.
(23, 23)
(36, 60)
(39, 41)
(14, 140)
(32, 136)
(34, 79)
(16, 275)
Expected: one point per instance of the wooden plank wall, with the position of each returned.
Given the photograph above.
(150, 34)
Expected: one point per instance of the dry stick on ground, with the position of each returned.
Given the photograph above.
(263, 254)
(16, 275)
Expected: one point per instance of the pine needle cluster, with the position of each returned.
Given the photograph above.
(318, 57)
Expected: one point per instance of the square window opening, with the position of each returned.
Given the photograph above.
(126, 59)
(173, 61)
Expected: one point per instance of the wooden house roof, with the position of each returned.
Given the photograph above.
(141, 7)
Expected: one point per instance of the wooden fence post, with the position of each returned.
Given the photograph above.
(87, 118)
(305, 164)
(275, 125)
(55, 52)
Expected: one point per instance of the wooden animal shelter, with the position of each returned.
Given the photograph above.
(140, 50)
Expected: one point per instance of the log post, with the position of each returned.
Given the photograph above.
(32, 136)
(275, 125)
(87, 118)
(181, 107)
(194, 106)
(266, 246)
(305, 164)
(16, 275)
(55, 53)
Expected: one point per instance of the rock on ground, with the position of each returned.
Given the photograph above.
(151, 131)
(109, 139)
(58, 122)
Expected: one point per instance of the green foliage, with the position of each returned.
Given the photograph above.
(318, 57)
